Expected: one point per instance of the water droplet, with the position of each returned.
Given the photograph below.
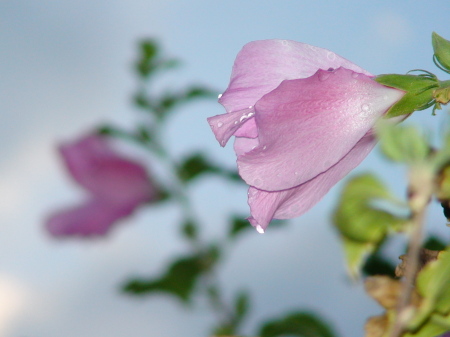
(220, 95)
(219, 125)
(355, 75)
(251, 106)
(296, 173)
(259, 229)
(330, 69)
(264, 147)
(323, 75)
(257, 182)
(250, 114)
(331, 56)
(235, 122)
(222, 142)
(284, 43)
(385, 97)
(366, 110)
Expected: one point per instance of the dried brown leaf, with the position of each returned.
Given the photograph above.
(376, 326)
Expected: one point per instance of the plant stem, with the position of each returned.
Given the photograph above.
(420, 190)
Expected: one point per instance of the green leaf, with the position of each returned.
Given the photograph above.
(441, 49)
(433, 283)
(169, 100)
(190, 230)
(376, 264)
(356, 218)
(179, 280)
(419, 92)
(433, 327)
(355, 254)
(362, 226)
(238, 225)
(402, 144)
(434, 243)
(223, 330)
(194, 166)
(443, 184)
(441, 158)
(241, 306)
(198, 164)
(142, 101)
(303, 324)
(199, 92)
(143, 135)
(149, 50)
(149, 59)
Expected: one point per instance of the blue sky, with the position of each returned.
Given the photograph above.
(66, 66)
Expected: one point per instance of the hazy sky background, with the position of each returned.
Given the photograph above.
(65, 67)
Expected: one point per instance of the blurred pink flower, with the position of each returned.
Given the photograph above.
(116, 186)
(302, 117)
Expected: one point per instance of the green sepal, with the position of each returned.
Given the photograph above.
(441, 49)
(418, 92)
(442, 94)
(404, 144)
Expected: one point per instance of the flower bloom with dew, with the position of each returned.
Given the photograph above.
(116, 186)
(302, 118)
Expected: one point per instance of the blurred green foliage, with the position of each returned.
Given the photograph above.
(302, 324)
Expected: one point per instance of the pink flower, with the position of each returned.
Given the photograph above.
(117, 186)
(302, 117)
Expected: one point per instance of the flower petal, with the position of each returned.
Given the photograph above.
(95, 166)
(93, 218)
(243, 145)
(306, 126)
(262, 65)
(226, 125)
(294, 202)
